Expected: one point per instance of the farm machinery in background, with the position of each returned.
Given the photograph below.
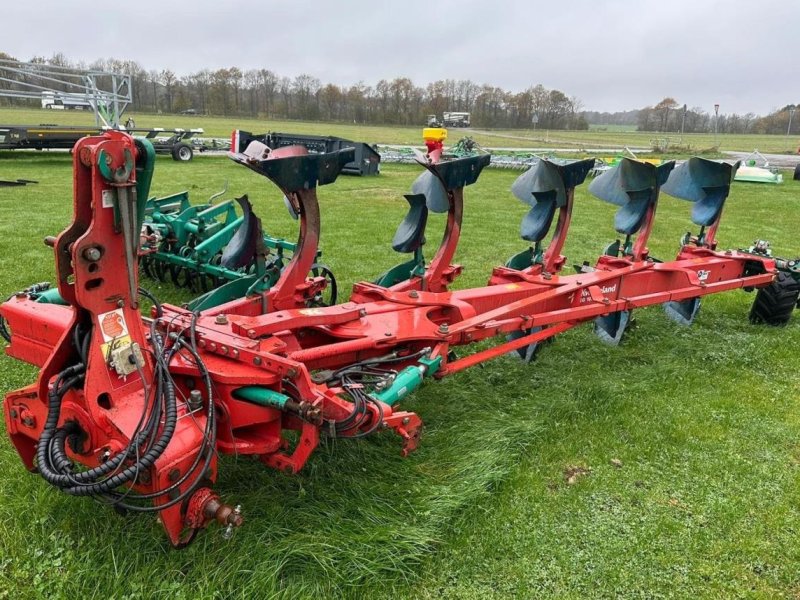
(366, 159)
(449, 119)
(268, 375)
(200, 247)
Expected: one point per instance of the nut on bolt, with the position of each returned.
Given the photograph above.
(221, 319)
(224, 514)
(195, 400)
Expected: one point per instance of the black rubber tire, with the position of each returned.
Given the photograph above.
(182, 152)
(774, 304)
(160, 270)
(329, 295)
(797, 173)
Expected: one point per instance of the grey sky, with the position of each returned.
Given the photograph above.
(612, 54)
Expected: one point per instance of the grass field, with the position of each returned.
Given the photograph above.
(611, 137)
(705, 422)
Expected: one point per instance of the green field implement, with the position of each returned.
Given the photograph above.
(201, 247)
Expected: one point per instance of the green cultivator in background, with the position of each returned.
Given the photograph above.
(205, 248)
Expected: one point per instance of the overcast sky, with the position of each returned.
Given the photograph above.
(611, 54)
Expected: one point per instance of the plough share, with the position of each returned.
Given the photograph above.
(134, 411)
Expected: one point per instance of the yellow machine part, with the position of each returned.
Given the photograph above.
(434, 134)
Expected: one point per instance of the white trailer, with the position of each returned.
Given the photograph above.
(456, 119)
(58, 101)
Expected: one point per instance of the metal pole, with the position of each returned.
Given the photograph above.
(792, 108)
(683, 120)
(716, 123)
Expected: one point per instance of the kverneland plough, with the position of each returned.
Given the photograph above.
(135, 411)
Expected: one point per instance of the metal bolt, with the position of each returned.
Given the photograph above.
(221, 319)
(120, 303)
(173, 475)
(227, 533)
(28, 421)
(413, 294)
(257, 360)
(92, 253)
(13, 413)
(195, 400)
(406, 421)
(212, 346)
(251, 333)
(443, 328)
(291, 373)
(388, 334)
(223, 349)
(235, 353)
(362, 312)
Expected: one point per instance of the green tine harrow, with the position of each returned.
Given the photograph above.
(198, 247)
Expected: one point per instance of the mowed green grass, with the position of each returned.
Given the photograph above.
(704, 421)
(604, 137)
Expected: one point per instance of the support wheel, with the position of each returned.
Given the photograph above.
(774, 304)
(326, 297)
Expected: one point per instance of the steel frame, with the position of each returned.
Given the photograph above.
(31, 79)
(273, 362)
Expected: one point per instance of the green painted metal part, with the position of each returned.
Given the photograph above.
(51, 296)
(237, 288)
(192, 238)
(145, 166)
(404, 271)
(527, 258)
(408, 380)
(261, 396)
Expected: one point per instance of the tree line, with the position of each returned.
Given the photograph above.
(266, 94)
(263, 93)
(669, 116)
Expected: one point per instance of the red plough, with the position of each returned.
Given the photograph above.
(134, 411)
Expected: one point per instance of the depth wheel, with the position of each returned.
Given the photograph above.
(326, 297)
(774, 304)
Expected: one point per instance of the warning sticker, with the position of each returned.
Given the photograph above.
(113, 325)
(114, 330)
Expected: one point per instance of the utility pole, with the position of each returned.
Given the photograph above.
(716, 123)
(683, 120)
(791, 108)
